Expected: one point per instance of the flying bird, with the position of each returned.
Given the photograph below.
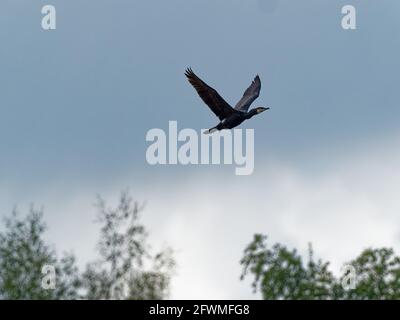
(229, 117)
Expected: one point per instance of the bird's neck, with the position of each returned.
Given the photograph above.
(251, 113)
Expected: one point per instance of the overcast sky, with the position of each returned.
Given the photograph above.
(76, 104)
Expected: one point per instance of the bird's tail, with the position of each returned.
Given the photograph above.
(209, 131)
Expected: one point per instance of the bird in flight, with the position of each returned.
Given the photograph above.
(229, 117)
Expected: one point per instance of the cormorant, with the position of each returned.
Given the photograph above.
(229, 117)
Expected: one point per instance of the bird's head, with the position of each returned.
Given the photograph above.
(261, 109)
(255, 111)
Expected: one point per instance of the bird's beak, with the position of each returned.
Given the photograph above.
(262, 109)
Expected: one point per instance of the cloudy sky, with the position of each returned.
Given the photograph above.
(76, 104)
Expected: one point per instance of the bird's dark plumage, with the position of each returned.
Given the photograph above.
(230, 117)
(210, 96)
(249, 95)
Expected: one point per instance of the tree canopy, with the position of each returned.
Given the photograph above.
(125, 267)
(280, 273)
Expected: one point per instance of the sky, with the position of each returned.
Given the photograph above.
(76, 104)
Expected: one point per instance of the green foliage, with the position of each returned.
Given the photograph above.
(125, 268)
(23, 253)
(378, 276)
(282, 274)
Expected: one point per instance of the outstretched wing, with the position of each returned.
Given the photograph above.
(249, 95)
(210, 96)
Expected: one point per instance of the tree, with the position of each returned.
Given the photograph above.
(23, 254)
(378, 276)
(126, 269)
(282, 274)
